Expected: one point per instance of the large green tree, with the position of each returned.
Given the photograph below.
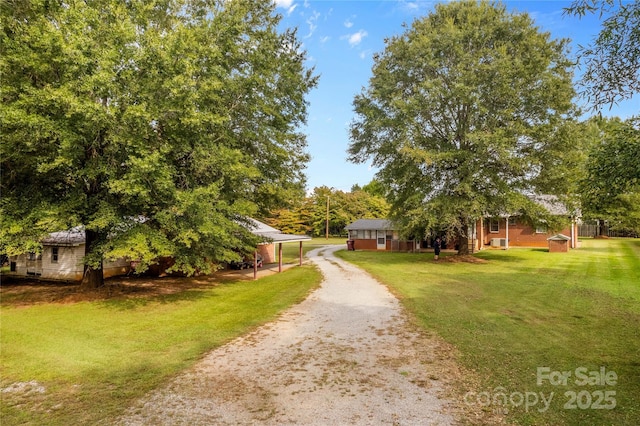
(157, 125)
(466, 112)
(610, 189)
(611, 62)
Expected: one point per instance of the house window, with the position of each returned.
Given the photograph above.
(512, 221)
(494, 225)
(54, 254)
(541, 229)
(32, 256)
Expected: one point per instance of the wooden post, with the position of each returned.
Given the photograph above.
(255, 264)
(300, 263)
(279, 257)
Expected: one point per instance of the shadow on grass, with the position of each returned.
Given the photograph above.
(129, 303)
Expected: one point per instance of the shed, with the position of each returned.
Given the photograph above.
(61, 259)
(559, 243)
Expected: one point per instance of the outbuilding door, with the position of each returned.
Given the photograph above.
(34, 264)
(381, 240)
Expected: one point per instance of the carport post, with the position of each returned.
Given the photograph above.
(300, 263)
(255, 265)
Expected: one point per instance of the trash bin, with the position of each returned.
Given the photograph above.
(350, 245)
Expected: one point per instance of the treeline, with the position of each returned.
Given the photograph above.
(336, 208)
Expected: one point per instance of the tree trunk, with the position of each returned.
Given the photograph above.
(463, 237)
(92, 277)
(601, 226)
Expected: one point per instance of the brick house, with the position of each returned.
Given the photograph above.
(511, 230)
(378, 234)
(504, 231)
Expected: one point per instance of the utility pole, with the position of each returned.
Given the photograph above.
(327, 220)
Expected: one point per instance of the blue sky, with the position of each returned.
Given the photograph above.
(340, 38)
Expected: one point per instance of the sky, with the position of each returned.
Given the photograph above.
(340, 38)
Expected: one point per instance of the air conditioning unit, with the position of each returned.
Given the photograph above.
(498, 242)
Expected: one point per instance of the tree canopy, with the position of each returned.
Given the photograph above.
(611, 62)
(157, 125)
(310, 215)
(466, 113)
(610, 189)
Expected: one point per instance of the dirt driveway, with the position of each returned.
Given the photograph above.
(346, 355)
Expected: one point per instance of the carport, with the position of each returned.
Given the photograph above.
(274, 236)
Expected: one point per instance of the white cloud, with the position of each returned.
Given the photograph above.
(313, 23)
(325, 39)
(284, 4)
(356, 38)
(348, 23)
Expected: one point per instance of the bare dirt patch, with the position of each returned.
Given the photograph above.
(18, 292)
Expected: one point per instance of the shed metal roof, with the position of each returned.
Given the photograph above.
(271, 234)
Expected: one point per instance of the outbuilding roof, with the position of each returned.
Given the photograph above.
(72, 237)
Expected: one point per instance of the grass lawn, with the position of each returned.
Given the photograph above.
(291, 251)
(523, 309)
(83, 363)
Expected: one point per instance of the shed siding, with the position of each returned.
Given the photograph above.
(69, 266)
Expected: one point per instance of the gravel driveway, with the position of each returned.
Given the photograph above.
(346, 355)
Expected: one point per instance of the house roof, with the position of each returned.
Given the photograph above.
(551, 203)
(371, 224)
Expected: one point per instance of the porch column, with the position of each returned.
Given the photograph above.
(506, 227)
(481, 241)
(279, 257)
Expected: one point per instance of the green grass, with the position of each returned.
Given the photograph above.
(291, 251)
(525, 309)
(93, 358)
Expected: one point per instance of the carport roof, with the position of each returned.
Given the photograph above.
(273, 235)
